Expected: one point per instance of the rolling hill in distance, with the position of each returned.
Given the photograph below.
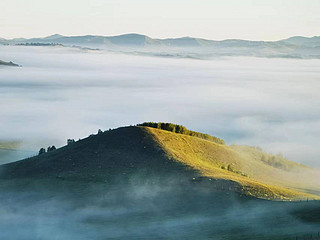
(184, 47)
(149, 150)
(11, 64)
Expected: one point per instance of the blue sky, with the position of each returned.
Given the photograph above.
(213, 19)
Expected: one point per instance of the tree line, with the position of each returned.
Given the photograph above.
(49, 149)
(181, 130)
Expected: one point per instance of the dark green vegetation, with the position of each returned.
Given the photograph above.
(182, 130)
(124, 184)
(49, 149)
(8, 64)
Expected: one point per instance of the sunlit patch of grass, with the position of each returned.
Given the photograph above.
(257, 178)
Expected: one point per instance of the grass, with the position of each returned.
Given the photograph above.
(235, 163)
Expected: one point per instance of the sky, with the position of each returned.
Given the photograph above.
(211, 19)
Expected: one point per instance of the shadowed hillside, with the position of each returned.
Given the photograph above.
(149, 153)
(98, 157)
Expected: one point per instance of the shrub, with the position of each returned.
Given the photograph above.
(42, 151)
(70, 141)
(49, 149)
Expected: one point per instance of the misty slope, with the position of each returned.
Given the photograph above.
(146, 152)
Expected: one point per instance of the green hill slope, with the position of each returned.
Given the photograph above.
(149, 154)
(282, 180)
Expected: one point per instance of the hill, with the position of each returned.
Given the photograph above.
(101, 157)
(149, 153)
(8, 64)
(303, 41)
(281, 179)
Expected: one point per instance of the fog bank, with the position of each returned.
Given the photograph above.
(62, 93)
(145, 211)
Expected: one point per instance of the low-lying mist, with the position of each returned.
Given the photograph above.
(145, 210)
(62, 93)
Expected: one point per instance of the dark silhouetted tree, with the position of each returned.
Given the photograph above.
(41, 151)
(70, 141)
(49, 149)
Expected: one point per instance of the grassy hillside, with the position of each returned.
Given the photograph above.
(150, 154)
(103, 157)
(284, 180)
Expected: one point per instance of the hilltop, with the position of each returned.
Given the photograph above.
(147, 152)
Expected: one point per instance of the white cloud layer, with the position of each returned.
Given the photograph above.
(64, 93)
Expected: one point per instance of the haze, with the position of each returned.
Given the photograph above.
(140, 212)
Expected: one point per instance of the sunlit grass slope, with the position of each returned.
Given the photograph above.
(277, 179)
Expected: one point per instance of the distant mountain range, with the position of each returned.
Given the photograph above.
(294, 47)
